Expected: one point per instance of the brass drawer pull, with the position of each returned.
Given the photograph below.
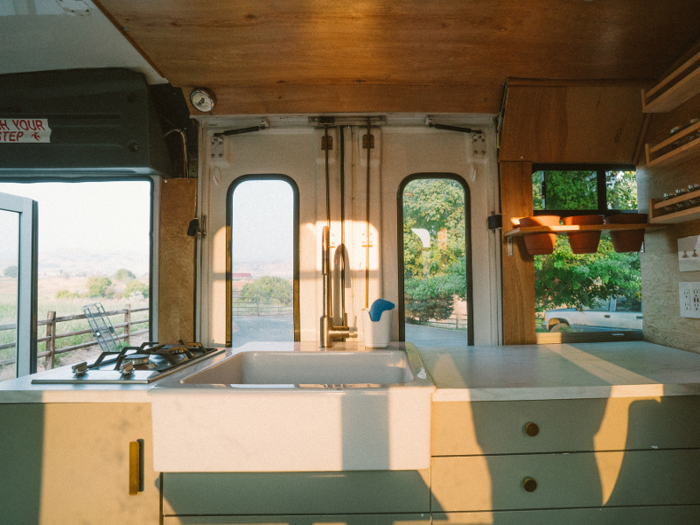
(134, 467)
(531, 429)
(529, 484)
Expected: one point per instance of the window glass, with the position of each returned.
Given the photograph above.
(262, 262)
(94, 246)
(587, 292)
(621, 190)
(434, 259)
(565, 190)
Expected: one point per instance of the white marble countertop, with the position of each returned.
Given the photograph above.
(479, 373)
(561, 371)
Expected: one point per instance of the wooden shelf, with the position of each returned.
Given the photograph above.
(659, 216)
(672, 91)
(561, 230)
(675, 156)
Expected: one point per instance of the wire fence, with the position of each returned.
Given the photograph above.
(260, 304)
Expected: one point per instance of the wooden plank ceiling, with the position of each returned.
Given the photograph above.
(413, 55)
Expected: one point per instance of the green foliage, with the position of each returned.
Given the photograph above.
(99, 287)
(11, 272)
(133, 287)
(268, 290)
(564, 279)
(65, 294)
(434, 205)
(124, 275)
(621, 190)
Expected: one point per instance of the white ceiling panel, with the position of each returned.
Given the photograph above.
(42, 35)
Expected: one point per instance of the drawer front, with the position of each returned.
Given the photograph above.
(501, 427)
(333, 519)
(484, 483)
(353, 492)
(597, 516)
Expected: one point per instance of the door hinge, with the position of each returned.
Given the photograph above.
(327, 144)
(495, 221)
(367, 141)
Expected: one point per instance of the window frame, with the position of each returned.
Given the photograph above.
(68, 178)
(601, 188)
(602, 209)
(229, 247)
(467, 248)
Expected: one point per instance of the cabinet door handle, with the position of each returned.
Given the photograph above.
(134, 467)
(531, 429)
(607, 316)
(529, 484)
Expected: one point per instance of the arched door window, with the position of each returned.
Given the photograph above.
(263, 261)
(435, 261)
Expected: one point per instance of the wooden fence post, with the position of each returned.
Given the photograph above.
(51, 342)
(127, 328)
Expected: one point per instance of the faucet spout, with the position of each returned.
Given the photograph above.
(328, 331)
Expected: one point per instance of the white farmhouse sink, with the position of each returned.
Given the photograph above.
(285, 407)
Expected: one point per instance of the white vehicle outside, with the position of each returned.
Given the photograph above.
(607, 315)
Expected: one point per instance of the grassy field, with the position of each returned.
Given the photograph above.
(47, 289)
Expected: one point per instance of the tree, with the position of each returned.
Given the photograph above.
(134, 287)
(268, 290)
(123, 275)
(12, 272)
(100, 287)
(435, 205)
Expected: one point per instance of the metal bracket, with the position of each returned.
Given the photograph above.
(217, 147)
(509, 240)
(479, 145)
(366, 141)
(327, 144)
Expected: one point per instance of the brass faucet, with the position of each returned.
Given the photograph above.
(328, 331)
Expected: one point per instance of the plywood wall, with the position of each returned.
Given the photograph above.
(176, 278)
(660, 271)
(519, 268)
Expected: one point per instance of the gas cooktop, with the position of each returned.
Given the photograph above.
(131, 365)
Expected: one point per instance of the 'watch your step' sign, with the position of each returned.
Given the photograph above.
(34, 130)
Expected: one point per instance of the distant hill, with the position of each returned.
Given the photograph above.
(52, 263)
(282, 269)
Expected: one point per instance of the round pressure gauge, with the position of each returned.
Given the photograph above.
(202, 99)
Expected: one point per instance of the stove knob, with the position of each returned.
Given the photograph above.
(80, 369)
(127, 369)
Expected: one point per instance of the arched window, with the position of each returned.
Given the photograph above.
(435, 284)
(263, 260)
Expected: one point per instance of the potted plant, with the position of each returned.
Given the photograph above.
(627, 240)
(583, 242)
(540, 243)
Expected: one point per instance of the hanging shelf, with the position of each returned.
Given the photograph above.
(560, 230)
(660, 216)
(676, 88)
(677, 155)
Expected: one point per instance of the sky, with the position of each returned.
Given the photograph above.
(263, 221)
(91, 217)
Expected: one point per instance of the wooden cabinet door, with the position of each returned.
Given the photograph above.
(69, 463)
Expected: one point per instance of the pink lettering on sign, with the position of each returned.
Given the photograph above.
(25, 130)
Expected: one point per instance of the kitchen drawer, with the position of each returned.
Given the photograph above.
(648, 477)
(328, 519)
(499, 427)
(352, 492)
(599, 516)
